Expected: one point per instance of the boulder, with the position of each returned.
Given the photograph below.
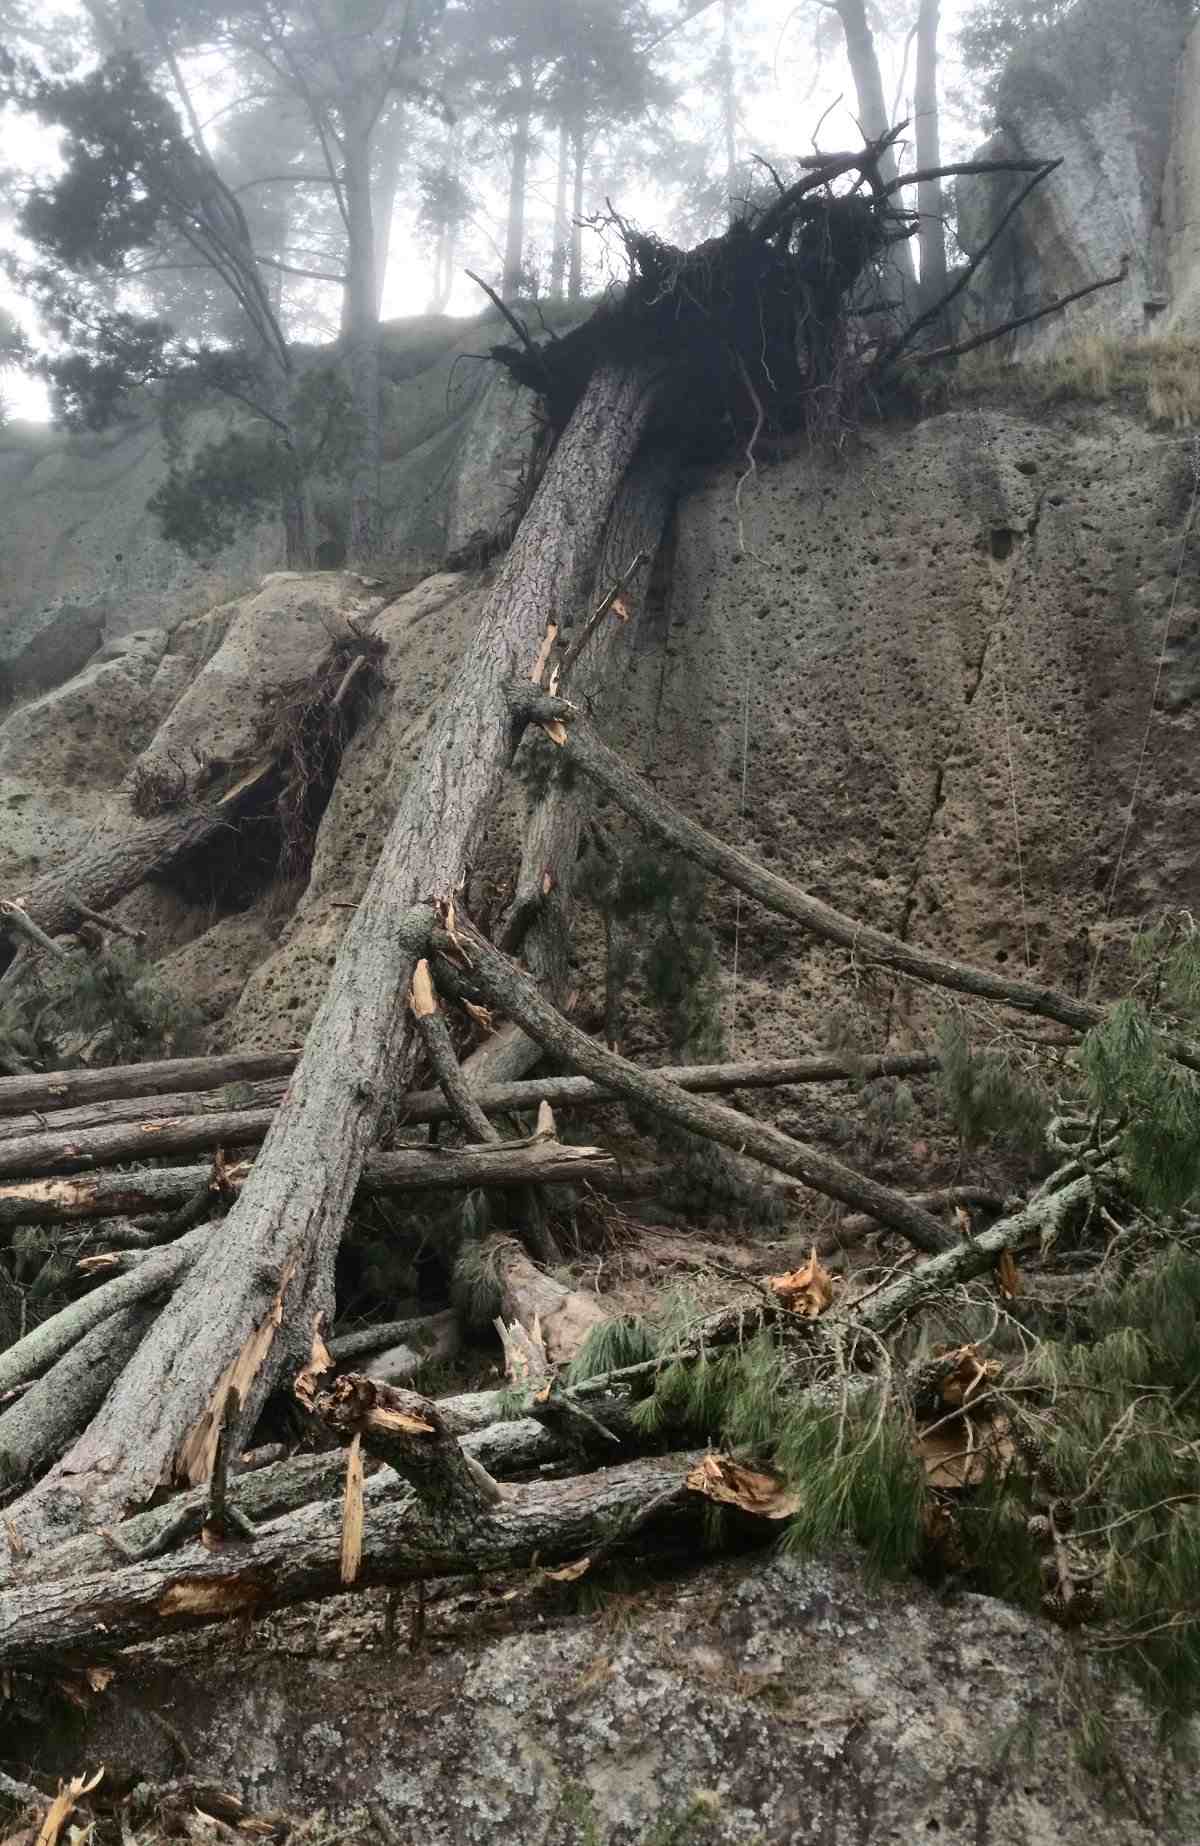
(747, 1704)
(1094, 89)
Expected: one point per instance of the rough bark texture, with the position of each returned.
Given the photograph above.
(635, 796)
(106, 872)
(503, 1446)
(409, 1169)
(52, 1619)
(973, 1258)
(37, 1427)
(539, 921)
(421, 1106)
(287, 1224)
(62, 1089)
(74, 1151)
(512, 992)
(45, 1344)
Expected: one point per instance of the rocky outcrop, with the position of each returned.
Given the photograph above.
(1097, 90)
(923, 691)
(82, 562)
(1181, 196)
(758, 1704)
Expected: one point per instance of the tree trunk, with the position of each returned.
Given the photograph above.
(539, 921)
(102, 874)
(296, 1559)
(872, 109)
(269, 1269)
(930, 204)
(565, 1315)
(729, 112)
(127, 1086)
(383, 195)
(578, 156)
(362, 334)
(562, 230)
(513, 283)
(408, 1169)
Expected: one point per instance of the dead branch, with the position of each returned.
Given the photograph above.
(512, 992)
(630, 792)
(13, 914)
(936, 311)
(59, 1089)
(435, 1034)
(1021, 320)
(968, 1259)
(421, 1106)
(47, 1342)
(103, 1195)
(46, 1620)
(105, 872)
(106, 922)
(42, 1421)
(598, 614)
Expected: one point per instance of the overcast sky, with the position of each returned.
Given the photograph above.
(783, 113)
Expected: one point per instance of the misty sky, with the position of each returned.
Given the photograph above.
(782, 112)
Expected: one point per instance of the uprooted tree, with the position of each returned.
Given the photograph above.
(219, 1296)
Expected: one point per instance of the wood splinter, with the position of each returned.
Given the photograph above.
(415, 1438)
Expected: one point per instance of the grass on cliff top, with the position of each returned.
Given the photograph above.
(1159, 378)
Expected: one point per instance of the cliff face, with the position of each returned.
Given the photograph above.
(1111, 89)
(922, 689)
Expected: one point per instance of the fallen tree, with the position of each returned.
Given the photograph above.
(71, 1140)
(415, 1169)
(753, 327)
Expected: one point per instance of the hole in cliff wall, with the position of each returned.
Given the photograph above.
(1001, 542)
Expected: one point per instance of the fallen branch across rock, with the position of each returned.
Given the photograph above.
(609, 772)
(297, 1558)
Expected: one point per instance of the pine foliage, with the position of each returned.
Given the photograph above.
(113, 1004)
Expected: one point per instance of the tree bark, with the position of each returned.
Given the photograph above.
(148, 1112)
(103, 873)
(253, 1295)
(930, 204)
(362, 330)
(47, 1620)
(512, 992)
(872, 109)
(409, 1169)
(66, 1089)
(538, 924)
(566, 1315)
(136, 1099)
(609, 772)
(38, 1426)
(562, 231)
(514, 237)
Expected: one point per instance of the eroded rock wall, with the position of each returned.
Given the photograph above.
(1097, 90)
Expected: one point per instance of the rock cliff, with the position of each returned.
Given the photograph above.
(1111, 90)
